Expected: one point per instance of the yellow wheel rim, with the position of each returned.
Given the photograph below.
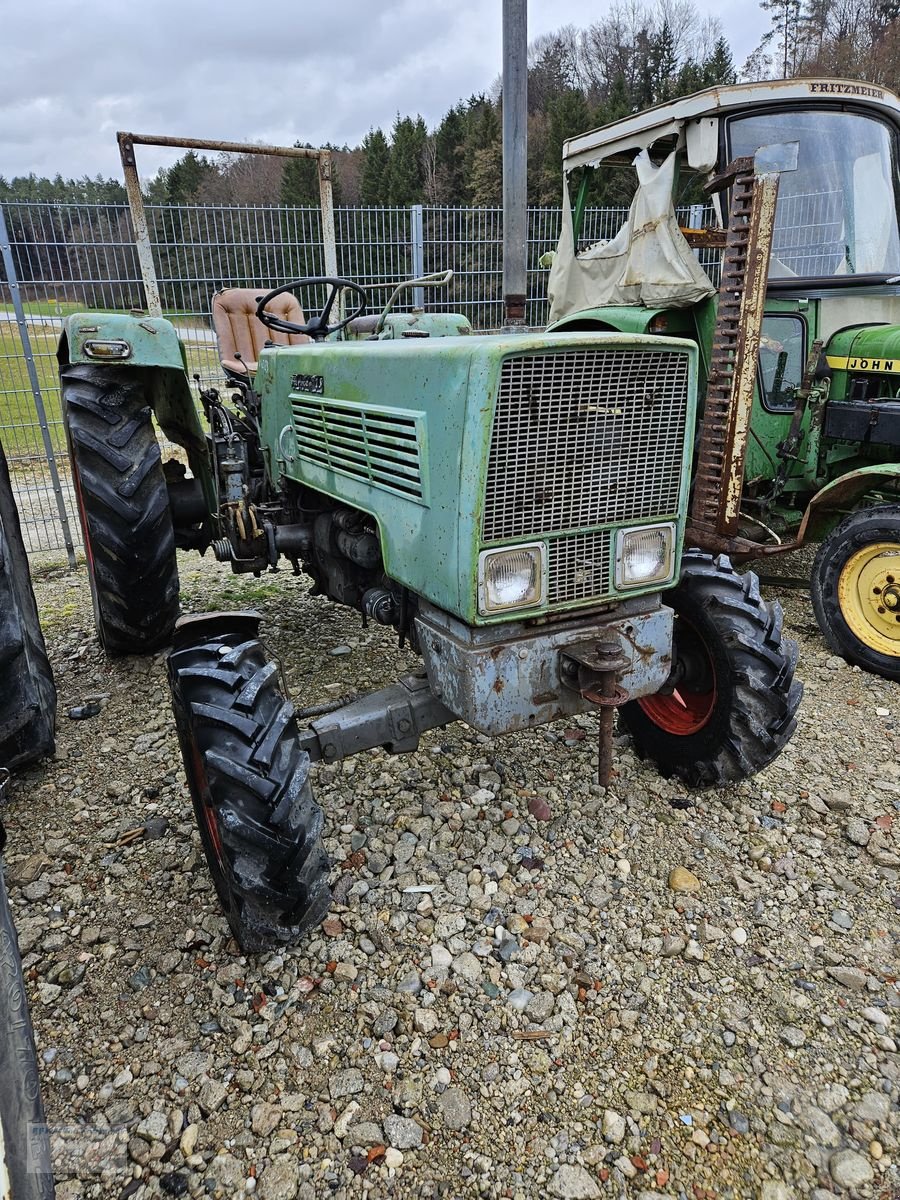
(869, 596)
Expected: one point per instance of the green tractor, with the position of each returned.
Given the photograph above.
(513, 505)
(793, 189)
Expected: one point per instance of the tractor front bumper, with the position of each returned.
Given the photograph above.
(501, 679)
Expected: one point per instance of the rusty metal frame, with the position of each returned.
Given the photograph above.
(127, 143)
(725, 425)
(746, 358)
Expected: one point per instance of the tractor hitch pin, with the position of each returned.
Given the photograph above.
(608, 662)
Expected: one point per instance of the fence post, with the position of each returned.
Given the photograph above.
(13, 281)
(417, 245)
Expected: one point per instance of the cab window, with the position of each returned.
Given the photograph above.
(782, 356)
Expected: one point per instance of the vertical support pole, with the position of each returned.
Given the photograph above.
(515, 159)
(417, 244)
(15, 294)
(329, 236)
(139, 223)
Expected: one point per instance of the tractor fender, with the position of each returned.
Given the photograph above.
(154, 347)
(150, 341)
(844, 493)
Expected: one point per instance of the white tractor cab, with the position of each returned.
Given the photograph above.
(785, 270)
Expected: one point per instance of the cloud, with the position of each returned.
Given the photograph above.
(276, 72)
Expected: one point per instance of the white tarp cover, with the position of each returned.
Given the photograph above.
(648, 262)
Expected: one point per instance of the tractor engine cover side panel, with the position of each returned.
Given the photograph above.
(504, 680)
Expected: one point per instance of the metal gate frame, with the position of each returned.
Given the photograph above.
(127, 143)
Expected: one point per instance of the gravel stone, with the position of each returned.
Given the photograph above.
(613, 1127)
(572, 1182)
(850, 977)
(279, 1180)
(683, 880)
(212, 1095)
(345, 1083)
(857, 831)
(403, 1133)
(873, 1106)
(455, 1108)
(849, 1169)
(264, 1118)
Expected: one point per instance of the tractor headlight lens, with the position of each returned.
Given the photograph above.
(512, 578)
(645, 556)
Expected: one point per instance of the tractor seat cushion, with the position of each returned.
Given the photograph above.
(240, 331)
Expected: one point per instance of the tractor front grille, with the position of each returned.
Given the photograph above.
(583, 439)
(580, 566)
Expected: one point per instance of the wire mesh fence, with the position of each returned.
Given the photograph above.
(64, 258)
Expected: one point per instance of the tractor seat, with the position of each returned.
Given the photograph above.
(240, 331)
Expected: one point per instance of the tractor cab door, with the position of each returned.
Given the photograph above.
(783, 348)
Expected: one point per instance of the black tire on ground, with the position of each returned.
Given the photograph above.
(249, 781)
(734, 704)
(123, 506)
(24, 1146)
(27, 694)
(856, 589)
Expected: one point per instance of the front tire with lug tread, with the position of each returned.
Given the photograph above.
(731, 705)
(123, 506)
(856, 589)
(249, 782)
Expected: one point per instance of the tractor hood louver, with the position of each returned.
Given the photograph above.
(380, 445)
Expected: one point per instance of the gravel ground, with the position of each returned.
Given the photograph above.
(525, 988)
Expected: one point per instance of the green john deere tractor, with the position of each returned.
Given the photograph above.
(791, 189)
(512, 505)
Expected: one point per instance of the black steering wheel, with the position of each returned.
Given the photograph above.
(316, 327)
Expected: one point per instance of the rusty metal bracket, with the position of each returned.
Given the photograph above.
(616, 700)
(595, 666)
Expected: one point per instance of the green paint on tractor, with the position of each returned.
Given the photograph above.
(425, 484)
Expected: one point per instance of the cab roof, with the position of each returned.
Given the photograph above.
(695, 118)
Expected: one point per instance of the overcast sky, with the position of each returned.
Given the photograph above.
(273, 72)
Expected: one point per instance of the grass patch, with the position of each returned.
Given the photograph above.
(18, 420)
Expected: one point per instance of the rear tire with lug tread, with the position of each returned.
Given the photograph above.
(24, 1146)
(249, 782)
(27, 692)
(856, 589)
(123, 506)
(734, 704)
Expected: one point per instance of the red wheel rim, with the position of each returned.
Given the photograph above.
(209, 812)
(689, 706)
(682, 713)
(88, 549)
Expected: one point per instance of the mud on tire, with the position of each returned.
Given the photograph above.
(27, 693)
(734, 707)
(123, 506)
(249, 781)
